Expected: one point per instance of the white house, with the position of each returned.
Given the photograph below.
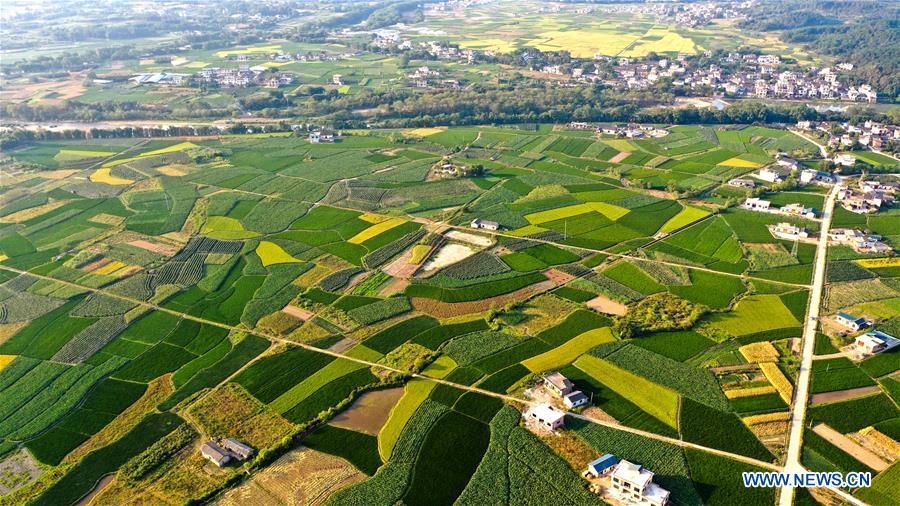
(789, 231)
(318, 137)
(575, 399)
(485, 224)
(869, 343)
(808, 176)
(847, 160)
(851, 322)
(770, 174)
(547, 416)
(799, 210)
(757, 204)
(742, 183)
(634, 484)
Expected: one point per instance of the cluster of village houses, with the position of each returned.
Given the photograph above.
(226, 450)
(240, 77)
(872, 134)
(622, 481)
(758, 75)
(866, 344)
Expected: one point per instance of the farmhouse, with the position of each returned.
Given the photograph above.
(851, 322)
(742, 183)
(845, 160)
(789, 231)
(575, 399)
(870, 343)
(771, 174)
(558, 384)
(788, 163)
(862, 202)
(238, 449)
(757, 204)
(547, 416)
(215, 454)
(634, 484)
(318, 137)
(601, 466)
(809, 176)
(798, 210)
(485, 224)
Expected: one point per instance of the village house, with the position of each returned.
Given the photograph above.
(845, 160)
(798, 210)
(757, 204)
(485, 224)
(809, 176)
(772, 174)
(874, 342)
(558, 384)
(601, 466)
(337, 79)
(860, 241)
(238, 449)
(575, 399)
(789, 231)
(787, 162)
(634, 484)
(215, 454)
(854, 323)
(742, 183)
(862, 202)
(319, 137)
(546, 416)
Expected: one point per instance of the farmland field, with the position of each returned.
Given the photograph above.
(270, 289)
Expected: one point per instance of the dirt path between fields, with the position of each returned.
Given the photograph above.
(850, 447)
(843, 395)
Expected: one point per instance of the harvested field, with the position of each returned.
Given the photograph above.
(474, 239)
(843, 395)
(18, 470)
(297, 312)
(621, 156)
(449, 254)
(558, 277)
(154, 247)
(395, 286)
(401, 267)
(440, 309)
(93, 266)
(878, 443)
(172, 170)
(369, 412)
(850, 447)
(57, 175)
(606, 305)
(302, 476)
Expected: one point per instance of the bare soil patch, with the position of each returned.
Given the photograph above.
(558, 277)
(401, 268)
(606, 305)
(297, 312)
(449, 254)
(154, 247)
(56, 175)
(474, 239)
(843, 395)
(764, 246)
(621, 156)
(395, 286)
(847, 445)
(369, 412)
(93, 266)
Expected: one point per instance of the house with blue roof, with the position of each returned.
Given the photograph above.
(602, 466)
(854, 323)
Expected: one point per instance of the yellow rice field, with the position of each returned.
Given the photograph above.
(5, 360)
(425, 132)
(376, 229)
(105, 176)
(878, 263)
(778, 380)
(739, 162)
(109, 268)
(611, 211)
(272, 48)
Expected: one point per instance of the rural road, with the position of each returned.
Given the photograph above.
(822, 150)
(801, 390)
